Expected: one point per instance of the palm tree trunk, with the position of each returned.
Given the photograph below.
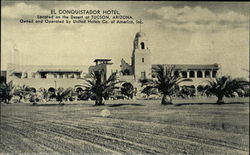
(20, 98)
(166, 99)
(99, 100)
(220, 99)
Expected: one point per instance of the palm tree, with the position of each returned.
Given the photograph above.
(187, 91)
(33, 98)
(148, 90)
(166, 82)
(62, 94)
(22, 91)
(6, 91)
(99, 87)
(44, 93)
(127, 90)
(224, 85)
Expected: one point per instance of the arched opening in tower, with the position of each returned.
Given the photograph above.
(142, 45)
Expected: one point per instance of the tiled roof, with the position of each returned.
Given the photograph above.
(192, 66)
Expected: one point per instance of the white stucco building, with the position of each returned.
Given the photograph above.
(141, 66)
(47, 76)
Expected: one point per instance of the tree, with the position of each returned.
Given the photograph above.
(225, 86)
(148, 90)
(99, 87)
(166, 82)
(27, 93)
(127, 90)
(33, 98)
(22, 91)
(44, 93)
(187, 91)
(6, 91)
(62, 94)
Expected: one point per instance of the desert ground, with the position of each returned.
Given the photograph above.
(192, 126)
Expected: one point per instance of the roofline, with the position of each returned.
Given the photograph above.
(102, 60)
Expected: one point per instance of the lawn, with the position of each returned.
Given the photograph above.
(194, 126)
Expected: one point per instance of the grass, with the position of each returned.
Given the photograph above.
(194, 126)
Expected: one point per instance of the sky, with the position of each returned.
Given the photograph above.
(178, 33)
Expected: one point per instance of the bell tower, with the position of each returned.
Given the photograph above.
(141, 57)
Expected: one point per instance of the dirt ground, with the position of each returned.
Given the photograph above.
(194, 126)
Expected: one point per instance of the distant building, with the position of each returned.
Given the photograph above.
(46, 76)
(141, 67)
(52, 77)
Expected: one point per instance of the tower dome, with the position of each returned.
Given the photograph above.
(140, 34)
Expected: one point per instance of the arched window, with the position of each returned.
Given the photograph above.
(51, 93)
(199, 74)
(78, 90)
(126, 72)
(184, 74)
(18, 75)
(128, 85)
(176, 73)
(33, 89)
(191, 74)
(43, 75)
(52, 90)
(142, 45)
(207, 74)
(214, 73)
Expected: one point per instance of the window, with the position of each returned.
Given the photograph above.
(142, 45)
(191, 74)
(176, 73)
(78, 90)
(18, 75)
(207, 74)
(33, 89)
(43, 75)
(60, 76)
(184, 74)
(143, 75)
(78, 75)
(214, 73)
(126, 72)
(142, 59)
(51, 90)
(199, 74)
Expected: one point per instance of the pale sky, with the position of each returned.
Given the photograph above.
(178, 33)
